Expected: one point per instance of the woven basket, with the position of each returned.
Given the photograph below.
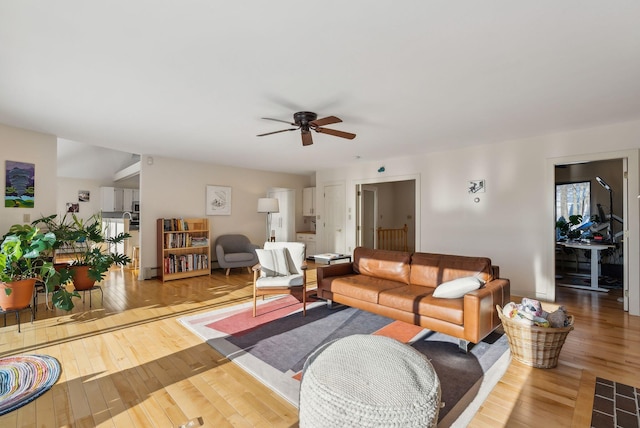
(535, 346)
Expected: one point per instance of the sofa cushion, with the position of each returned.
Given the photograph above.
(390, 265)
(433, 269)
(405, 298)
(286, 281)
(457, 288)
(273, 262)
(362, 287)
(238, 257)
(449, 310)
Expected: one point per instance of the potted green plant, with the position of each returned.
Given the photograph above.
(566, 229)
(63, 229)
(23, 261)
(89, 248)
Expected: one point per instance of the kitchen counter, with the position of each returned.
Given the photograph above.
(311, 232)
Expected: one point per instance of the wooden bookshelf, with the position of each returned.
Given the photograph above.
(183, 248)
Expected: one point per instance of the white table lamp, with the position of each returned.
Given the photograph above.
(269, 206)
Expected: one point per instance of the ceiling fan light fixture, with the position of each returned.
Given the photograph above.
(307, 121)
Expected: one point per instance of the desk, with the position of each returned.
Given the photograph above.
(595, 266)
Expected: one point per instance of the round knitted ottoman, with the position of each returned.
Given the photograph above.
(368, 381)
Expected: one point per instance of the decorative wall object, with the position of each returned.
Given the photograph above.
(84, 196)
(73, 207)
(476, 186)
(218, 200)
(20, 184)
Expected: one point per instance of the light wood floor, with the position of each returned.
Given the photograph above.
(128, 362)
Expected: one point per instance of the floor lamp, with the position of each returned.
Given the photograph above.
(607, 187)
(269, 206)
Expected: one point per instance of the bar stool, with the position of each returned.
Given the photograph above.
(135, 257)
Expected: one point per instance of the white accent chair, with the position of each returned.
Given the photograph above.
(282, 269)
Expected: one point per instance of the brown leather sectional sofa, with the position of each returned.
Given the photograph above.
(400, 285)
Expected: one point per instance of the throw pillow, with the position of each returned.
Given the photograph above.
(458, 287)
(273, 262)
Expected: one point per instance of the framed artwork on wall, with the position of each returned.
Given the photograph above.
(476, 186)
(20, 184)
(218, 200)
(84, 196)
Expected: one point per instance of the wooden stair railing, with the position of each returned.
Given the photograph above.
(393, 239)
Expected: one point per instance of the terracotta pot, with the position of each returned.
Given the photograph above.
(81, 280)
(21, 295)
(60, 265)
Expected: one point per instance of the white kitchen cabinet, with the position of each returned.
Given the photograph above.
(283, 222)
(127, 204)
(309, 201)
(309, 239)
(118, 199)
(112, 199)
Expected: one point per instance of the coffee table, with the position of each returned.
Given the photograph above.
(331, 258)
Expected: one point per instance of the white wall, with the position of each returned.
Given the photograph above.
(513, 223)
(32, 147)
(68, 192)
(175, 188)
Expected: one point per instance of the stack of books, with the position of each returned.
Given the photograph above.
(331, 258)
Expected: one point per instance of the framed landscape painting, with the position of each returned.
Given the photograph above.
(20, 184)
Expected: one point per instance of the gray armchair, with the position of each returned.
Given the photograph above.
(235, 251)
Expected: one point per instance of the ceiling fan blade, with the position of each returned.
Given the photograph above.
(325, 121)
(277, 132)
(279, 120)
(307, 140)
(336, 133)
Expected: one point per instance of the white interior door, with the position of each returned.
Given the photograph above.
(334, 218)
(367, 204)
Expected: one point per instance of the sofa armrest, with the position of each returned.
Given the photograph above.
(338, 269)
(480, 316)
(495, 271)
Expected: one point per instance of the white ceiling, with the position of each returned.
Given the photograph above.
(191, 79)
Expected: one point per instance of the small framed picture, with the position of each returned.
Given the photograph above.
(73, 207)
(476, 186)
(84, 196)
(218, 200)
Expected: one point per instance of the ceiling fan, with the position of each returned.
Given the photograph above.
(306, 122)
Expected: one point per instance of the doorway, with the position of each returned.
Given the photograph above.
(590, 211)
(334, 224)
(388, 205)
(368, 207)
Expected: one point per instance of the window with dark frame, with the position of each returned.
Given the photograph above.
(573, 199)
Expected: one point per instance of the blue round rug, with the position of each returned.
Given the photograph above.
(23, 378)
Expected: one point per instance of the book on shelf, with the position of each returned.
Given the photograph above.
(175, 225)
(175, 263)
(199, 241)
